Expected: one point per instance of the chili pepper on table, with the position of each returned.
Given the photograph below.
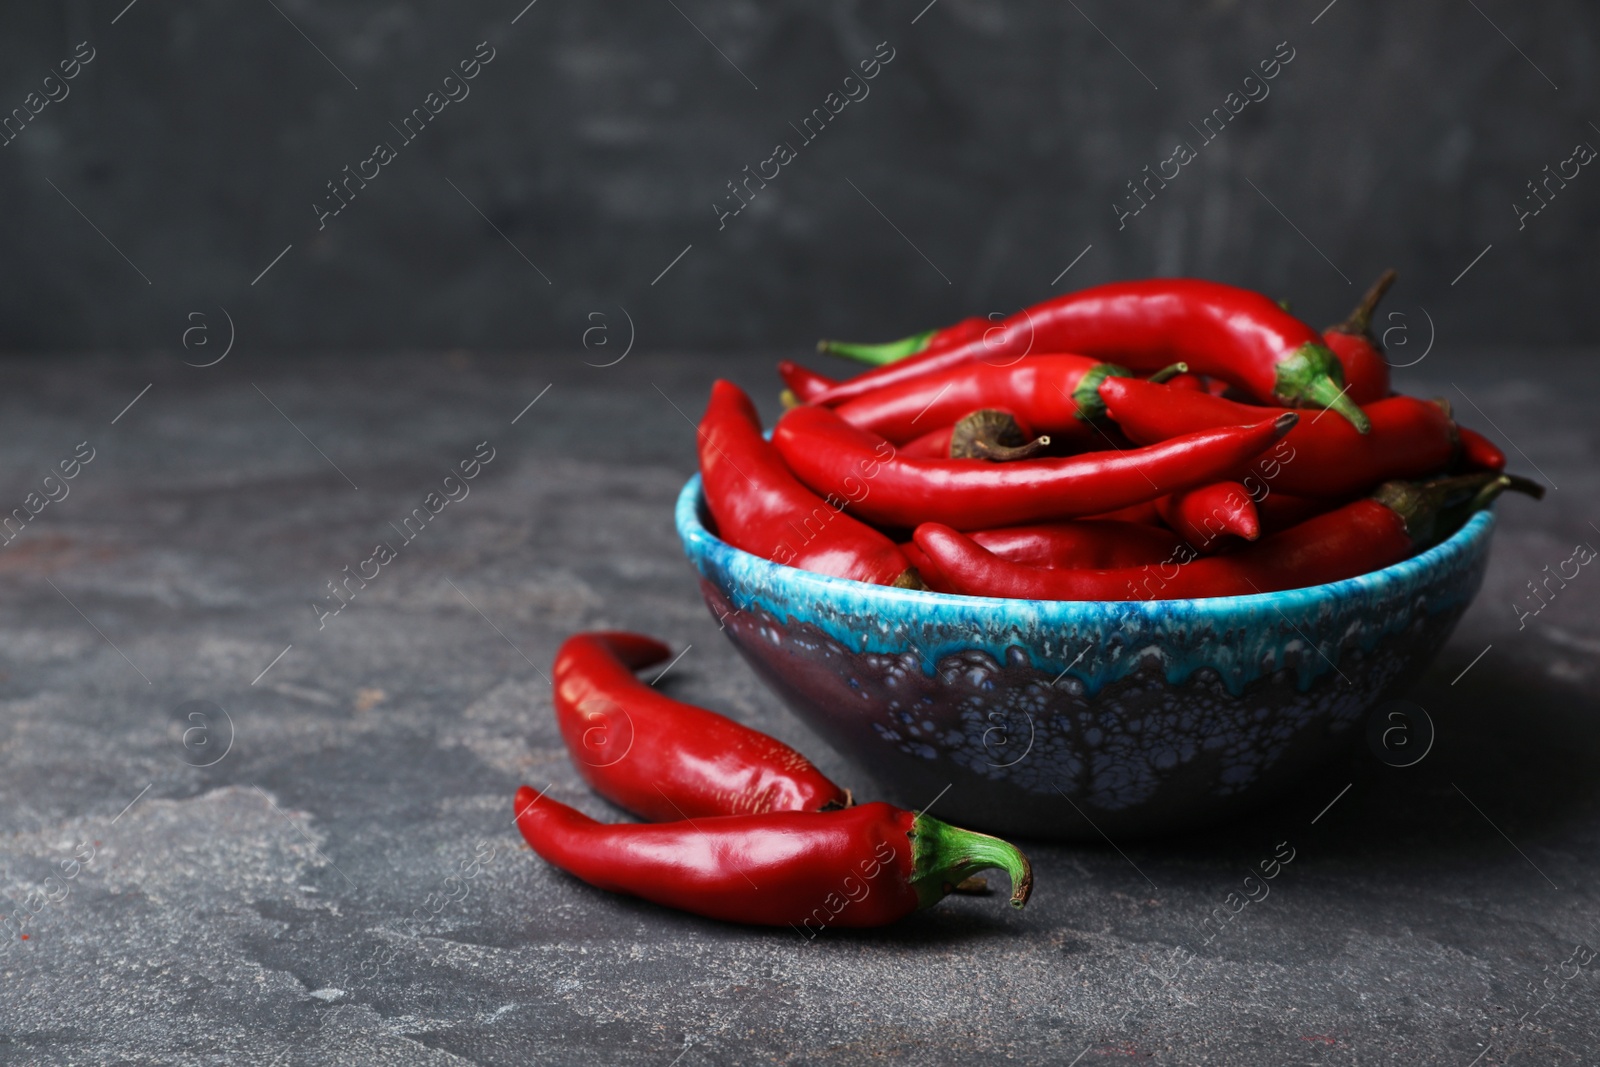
(1362, 536)
(833, 457)
(1055, 394)
(864, 866)
(1203, 515)
(1221, 331)
(1366, 372)
(1480, 453)
(663, 759)
(1410, 438)
(761, 507)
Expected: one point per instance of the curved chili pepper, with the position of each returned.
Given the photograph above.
(930, 340)
(1220, 330)
(1480, 453)
(762, 508)
(863, 866)
(1358, 538)
(1366, 372)
(1057, 395)
(1203, 515)
(805, 383)
(1410, 438)
(663, 759)
(833, 457)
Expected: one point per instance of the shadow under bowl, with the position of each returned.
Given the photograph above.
(1069, 720)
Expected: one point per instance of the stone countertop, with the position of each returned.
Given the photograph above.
(276, 843)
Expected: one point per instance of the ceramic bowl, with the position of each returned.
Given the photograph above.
(1084, 719)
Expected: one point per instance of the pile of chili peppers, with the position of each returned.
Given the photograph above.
(741, 827)
(1133, 441)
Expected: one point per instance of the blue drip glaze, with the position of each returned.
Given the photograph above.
(1100, 642)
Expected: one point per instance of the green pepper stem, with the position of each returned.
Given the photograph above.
(1311, 376)
(1167, 373)
(944, 856)
(1435, 509)
(878, 355)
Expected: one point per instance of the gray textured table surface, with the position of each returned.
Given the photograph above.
(266, 881)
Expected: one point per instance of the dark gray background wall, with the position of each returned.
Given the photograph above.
(592, 149)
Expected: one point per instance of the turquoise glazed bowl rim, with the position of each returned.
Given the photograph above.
(874, 618)
(703, 546)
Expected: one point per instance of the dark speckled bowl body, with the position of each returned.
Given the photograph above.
(1063, 720)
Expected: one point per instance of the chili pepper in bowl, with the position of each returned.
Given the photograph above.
(663, 759)
(1410, 438)
(1079, 543)
(803, 383)
(864, 866)
(833, 457)
(1366, 372)
(761, 507)
(1055, 394)
(1362, 536)
(1480, 453)
(1221, 331)
(1279, 511)
(1206, 516)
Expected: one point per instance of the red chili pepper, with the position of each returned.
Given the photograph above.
(1410, 438)
(1205, 516)
(1078, 543)
(760, 507)
(1279, 511)
(846, 462)
(1219, 330)
(1366, 372)
(1197, 383)
(666, 760)
(1145, 513)
(1480, 453)
(1357, 538)
(931, 340)
(1057, 395)
(804, 383)
(864, 866)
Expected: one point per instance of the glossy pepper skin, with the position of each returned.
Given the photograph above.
(1056, 395)
(803, 383)
(1221, 331)
(1208, 517)
(1079, 543)
(864, 866)
(1366, 372)
(1410, 438)
(833, 457)
(663, 759)
(1359, 537)
(1480, 453)
(762, 508)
